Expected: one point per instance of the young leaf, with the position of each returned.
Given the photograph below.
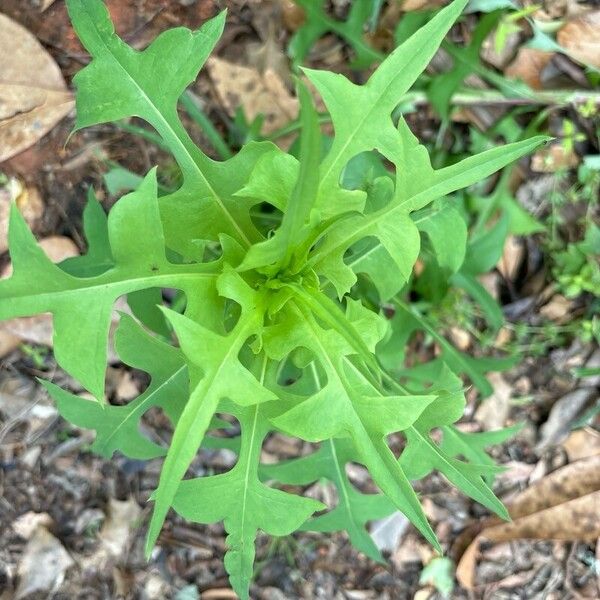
(361, 115)
(277, 251)
(417, 184)
(216, 373)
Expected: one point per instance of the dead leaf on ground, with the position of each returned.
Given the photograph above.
(581, 38)
(562, 415)
(511, 259)
(27, 523)
(258, 93)
(564, 505)
(558, 309)
(582, 443)
(33, 94)
(388, 532)
(528, 66)
(500, 57)
(119, 525)
(554, 157)
(219, 594)
(493, 411)
(27, 199)
(116, 533)
(570, 407)
(43, 564)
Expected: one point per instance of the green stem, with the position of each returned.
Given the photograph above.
(191, 106)
(142, 132)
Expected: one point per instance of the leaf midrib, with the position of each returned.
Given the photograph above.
(173, 135)
(141, 407)
(375, 106)
(168, 277)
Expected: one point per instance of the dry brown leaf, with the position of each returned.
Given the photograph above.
(581, 38)
(558, 309)
(33, 94)
(460, 338)
(120, 522)
(528, 66)
(43, 565)
(562, 415)
(582, 443)
(292, 15)
(553, 158)
(27, 523)
(258, 93)
(564, 505)
(493, 411)
(500, 57)
(8, 342)
(511, 258)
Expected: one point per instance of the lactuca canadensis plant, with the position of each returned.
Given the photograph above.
(274, 332)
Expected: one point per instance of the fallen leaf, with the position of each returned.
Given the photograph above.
(562, 415)
(581, 38)
(558, 309)
(582, 443)
(127, 388)
(500, 57)
(528, 65)
(156, 588)
(388, 532)
(258, 93)
(219, 594)
(554, 157)
(27, 523)
(493, 411)
(511, 259)
(460, 338)
(292, 15)
(564, 505)
(8, 342)
(117, 528)
(33, 94)
(43, 565)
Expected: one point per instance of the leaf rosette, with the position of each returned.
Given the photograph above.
(274, 331)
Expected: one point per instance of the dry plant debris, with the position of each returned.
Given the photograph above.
(33, 93)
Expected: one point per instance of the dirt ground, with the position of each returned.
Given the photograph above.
(76, 522)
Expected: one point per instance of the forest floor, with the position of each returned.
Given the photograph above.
(72, 524)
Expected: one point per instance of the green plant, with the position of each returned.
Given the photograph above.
(275, 329)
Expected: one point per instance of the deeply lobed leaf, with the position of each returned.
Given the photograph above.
(262, 337)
